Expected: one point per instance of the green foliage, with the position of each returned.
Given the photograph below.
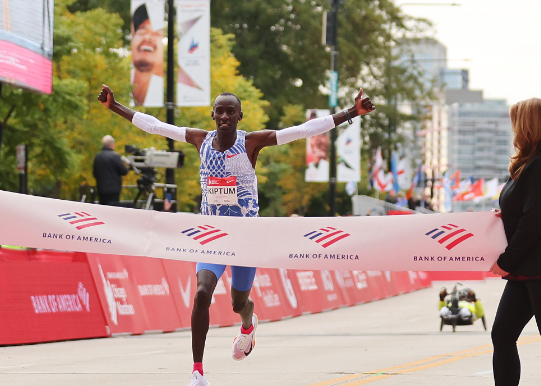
(279, 47)
(43, 123)
(63, 130)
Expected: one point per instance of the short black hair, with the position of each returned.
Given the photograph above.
(229, 94)
(139, 16)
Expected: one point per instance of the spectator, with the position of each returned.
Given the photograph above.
(413, 202)
(391, 197)
(425, 202)
(401, 200)
(108, 170)
(520, 263)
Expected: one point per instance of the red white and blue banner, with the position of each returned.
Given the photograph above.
(193, 81)
(437, 242)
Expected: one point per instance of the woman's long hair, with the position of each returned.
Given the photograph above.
(526, 123)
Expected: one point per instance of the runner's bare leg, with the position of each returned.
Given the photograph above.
(243, 305)
(206, 283)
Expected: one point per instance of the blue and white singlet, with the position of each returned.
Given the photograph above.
(234, 162)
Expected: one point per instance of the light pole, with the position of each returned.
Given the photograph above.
(332, 40)
(170, 102)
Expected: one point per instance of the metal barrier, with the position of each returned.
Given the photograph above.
(370, 206)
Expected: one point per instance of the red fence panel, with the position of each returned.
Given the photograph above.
(270, 297)
(135, 293)
(43, 302)
(8, 254)
(456, 275)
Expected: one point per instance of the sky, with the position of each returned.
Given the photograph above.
(501, 39)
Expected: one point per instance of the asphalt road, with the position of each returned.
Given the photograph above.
(394, 341)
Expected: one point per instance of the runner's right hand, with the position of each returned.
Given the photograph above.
(106, 96)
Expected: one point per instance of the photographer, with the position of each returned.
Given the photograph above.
(108, 170)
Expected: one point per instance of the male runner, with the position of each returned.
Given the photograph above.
(228, 156)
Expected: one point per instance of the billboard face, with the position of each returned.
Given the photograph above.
(317, 152)
(147, 29)
(348, 146)
(26, 44)
(193, 87)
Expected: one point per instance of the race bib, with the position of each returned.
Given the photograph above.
(222, 191)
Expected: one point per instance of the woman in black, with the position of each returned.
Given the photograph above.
(520, 263)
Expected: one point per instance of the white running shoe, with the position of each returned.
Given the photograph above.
(198, 380)
(243, 344)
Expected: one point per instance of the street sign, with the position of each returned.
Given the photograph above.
(21, 157)
(333, 97)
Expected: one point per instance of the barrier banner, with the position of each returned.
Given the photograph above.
(183, 283)
(8, 254)
(317, 291)
(181, 275)
(458, 275)
(408, 281)
(43, 302)
(135, 294)
(469, 241)
(273, 295)
(221, 311)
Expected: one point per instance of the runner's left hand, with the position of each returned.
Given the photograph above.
(363, 106)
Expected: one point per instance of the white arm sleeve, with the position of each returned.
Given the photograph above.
(307, 129)
(154, 126)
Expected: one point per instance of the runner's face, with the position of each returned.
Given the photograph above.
(226, 113)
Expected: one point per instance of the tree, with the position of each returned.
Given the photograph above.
(292, 63)
(63, 130)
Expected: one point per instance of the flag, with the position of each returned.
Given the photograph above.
(378, 162)
(418, 177)
(455, 180)
(351, 188)
(491, 189)
(394, 171)
(404, 173)
(448, 201)
(475, 190)
(463, 186)
(383, 182)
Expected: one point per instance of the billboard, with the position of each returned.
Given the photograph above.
(348, 148)
(26, 44)
(193, 87)
(147, 30)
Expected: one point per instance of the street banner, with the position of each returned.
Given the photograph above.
(193, 24)
(317, 152)
(469, 241)
(147, 30)
(348, 148)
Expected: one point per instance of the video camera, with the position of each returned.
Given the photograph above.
(152, 158)
(145, 161)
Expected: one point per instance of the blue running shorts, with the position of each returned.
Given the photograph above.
(242, 277)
